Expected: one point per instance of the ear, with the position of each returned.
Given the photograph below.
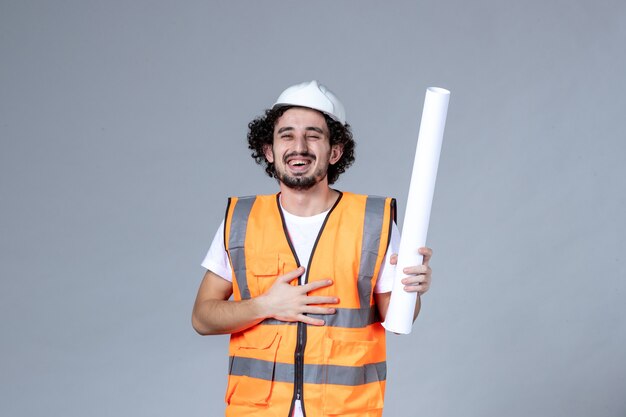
(335, 153)
(269, 155)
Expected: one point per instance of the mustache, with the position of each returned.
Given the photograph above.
(301, 154)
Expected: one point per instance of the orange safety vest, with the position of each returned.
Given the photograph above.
(338, 369)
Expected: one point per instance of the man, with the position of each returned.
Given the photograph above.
(310, 270)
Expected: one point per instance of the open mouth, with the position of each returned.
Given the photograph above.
(299, 162)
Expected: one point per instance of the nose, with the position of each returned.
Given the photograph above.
(300, 143)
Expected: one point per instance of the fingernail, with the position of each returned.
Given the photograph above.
(330, 281)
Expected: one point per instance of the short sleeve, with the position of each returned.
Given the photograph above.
(387, 271)
(216, 259)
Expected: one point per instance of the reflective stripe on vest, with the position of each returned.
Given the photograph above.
(374, 214)
(237, 240)
(313, 374)
(343, 317)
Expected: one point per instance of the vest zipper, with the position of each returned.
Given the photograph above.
(299, 354)
(299, 362)
(298, 389)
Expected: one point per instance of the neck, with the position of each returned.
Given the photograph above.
(305, 203)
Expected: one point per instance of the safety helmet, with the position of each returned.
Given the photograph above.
(314, 96)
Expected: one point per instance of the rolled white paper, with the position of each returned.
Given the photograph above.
(399, 317)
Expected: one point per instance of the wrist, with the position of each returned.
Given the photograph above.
(260, 307)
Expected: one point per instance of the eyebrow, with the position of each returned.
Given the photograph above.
(288, 128)
(315, 129)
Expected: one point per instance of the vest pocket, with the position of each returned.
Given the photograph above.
(265, 269)
(352, 384)
(251, 373)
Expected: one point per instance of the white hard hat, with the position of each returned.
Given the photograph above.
(315, 96)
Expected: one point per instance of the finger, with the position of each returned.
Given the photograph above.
(416, 270)
(317, 284)
(321, 300)
(310, 320)
(393, 259)
(427, 252)
(415, 288)
(291, 275)
(413, 280)
(320, 310)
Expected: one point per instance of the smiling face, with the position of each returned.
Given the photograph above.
(301, 150)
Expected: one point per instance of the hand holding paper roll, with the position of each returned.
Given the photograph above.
(399, 318)
(417, 277)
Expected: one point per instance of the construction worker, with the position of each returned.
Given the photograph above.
(310, 270)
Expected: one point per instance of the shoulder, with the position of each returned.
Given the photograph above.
(239, 209)
(386, 206)
(347, 194)
(250, 200)
(260, 197)
(363, 198)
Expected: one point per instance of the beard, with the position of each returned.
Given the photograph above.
(300, 182)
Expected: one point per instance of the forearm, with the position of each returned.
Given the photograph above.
(214, 314)
(223, 316)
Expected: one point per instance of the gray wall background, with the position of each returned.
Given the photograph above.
(123, 131)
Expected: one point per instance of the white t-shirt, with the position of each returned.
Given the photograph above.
(302, 231)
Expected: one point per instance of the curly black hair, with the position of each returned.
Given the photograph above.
(261, 133)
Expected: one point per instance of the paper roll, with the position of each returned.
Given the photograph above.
(399, 317)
